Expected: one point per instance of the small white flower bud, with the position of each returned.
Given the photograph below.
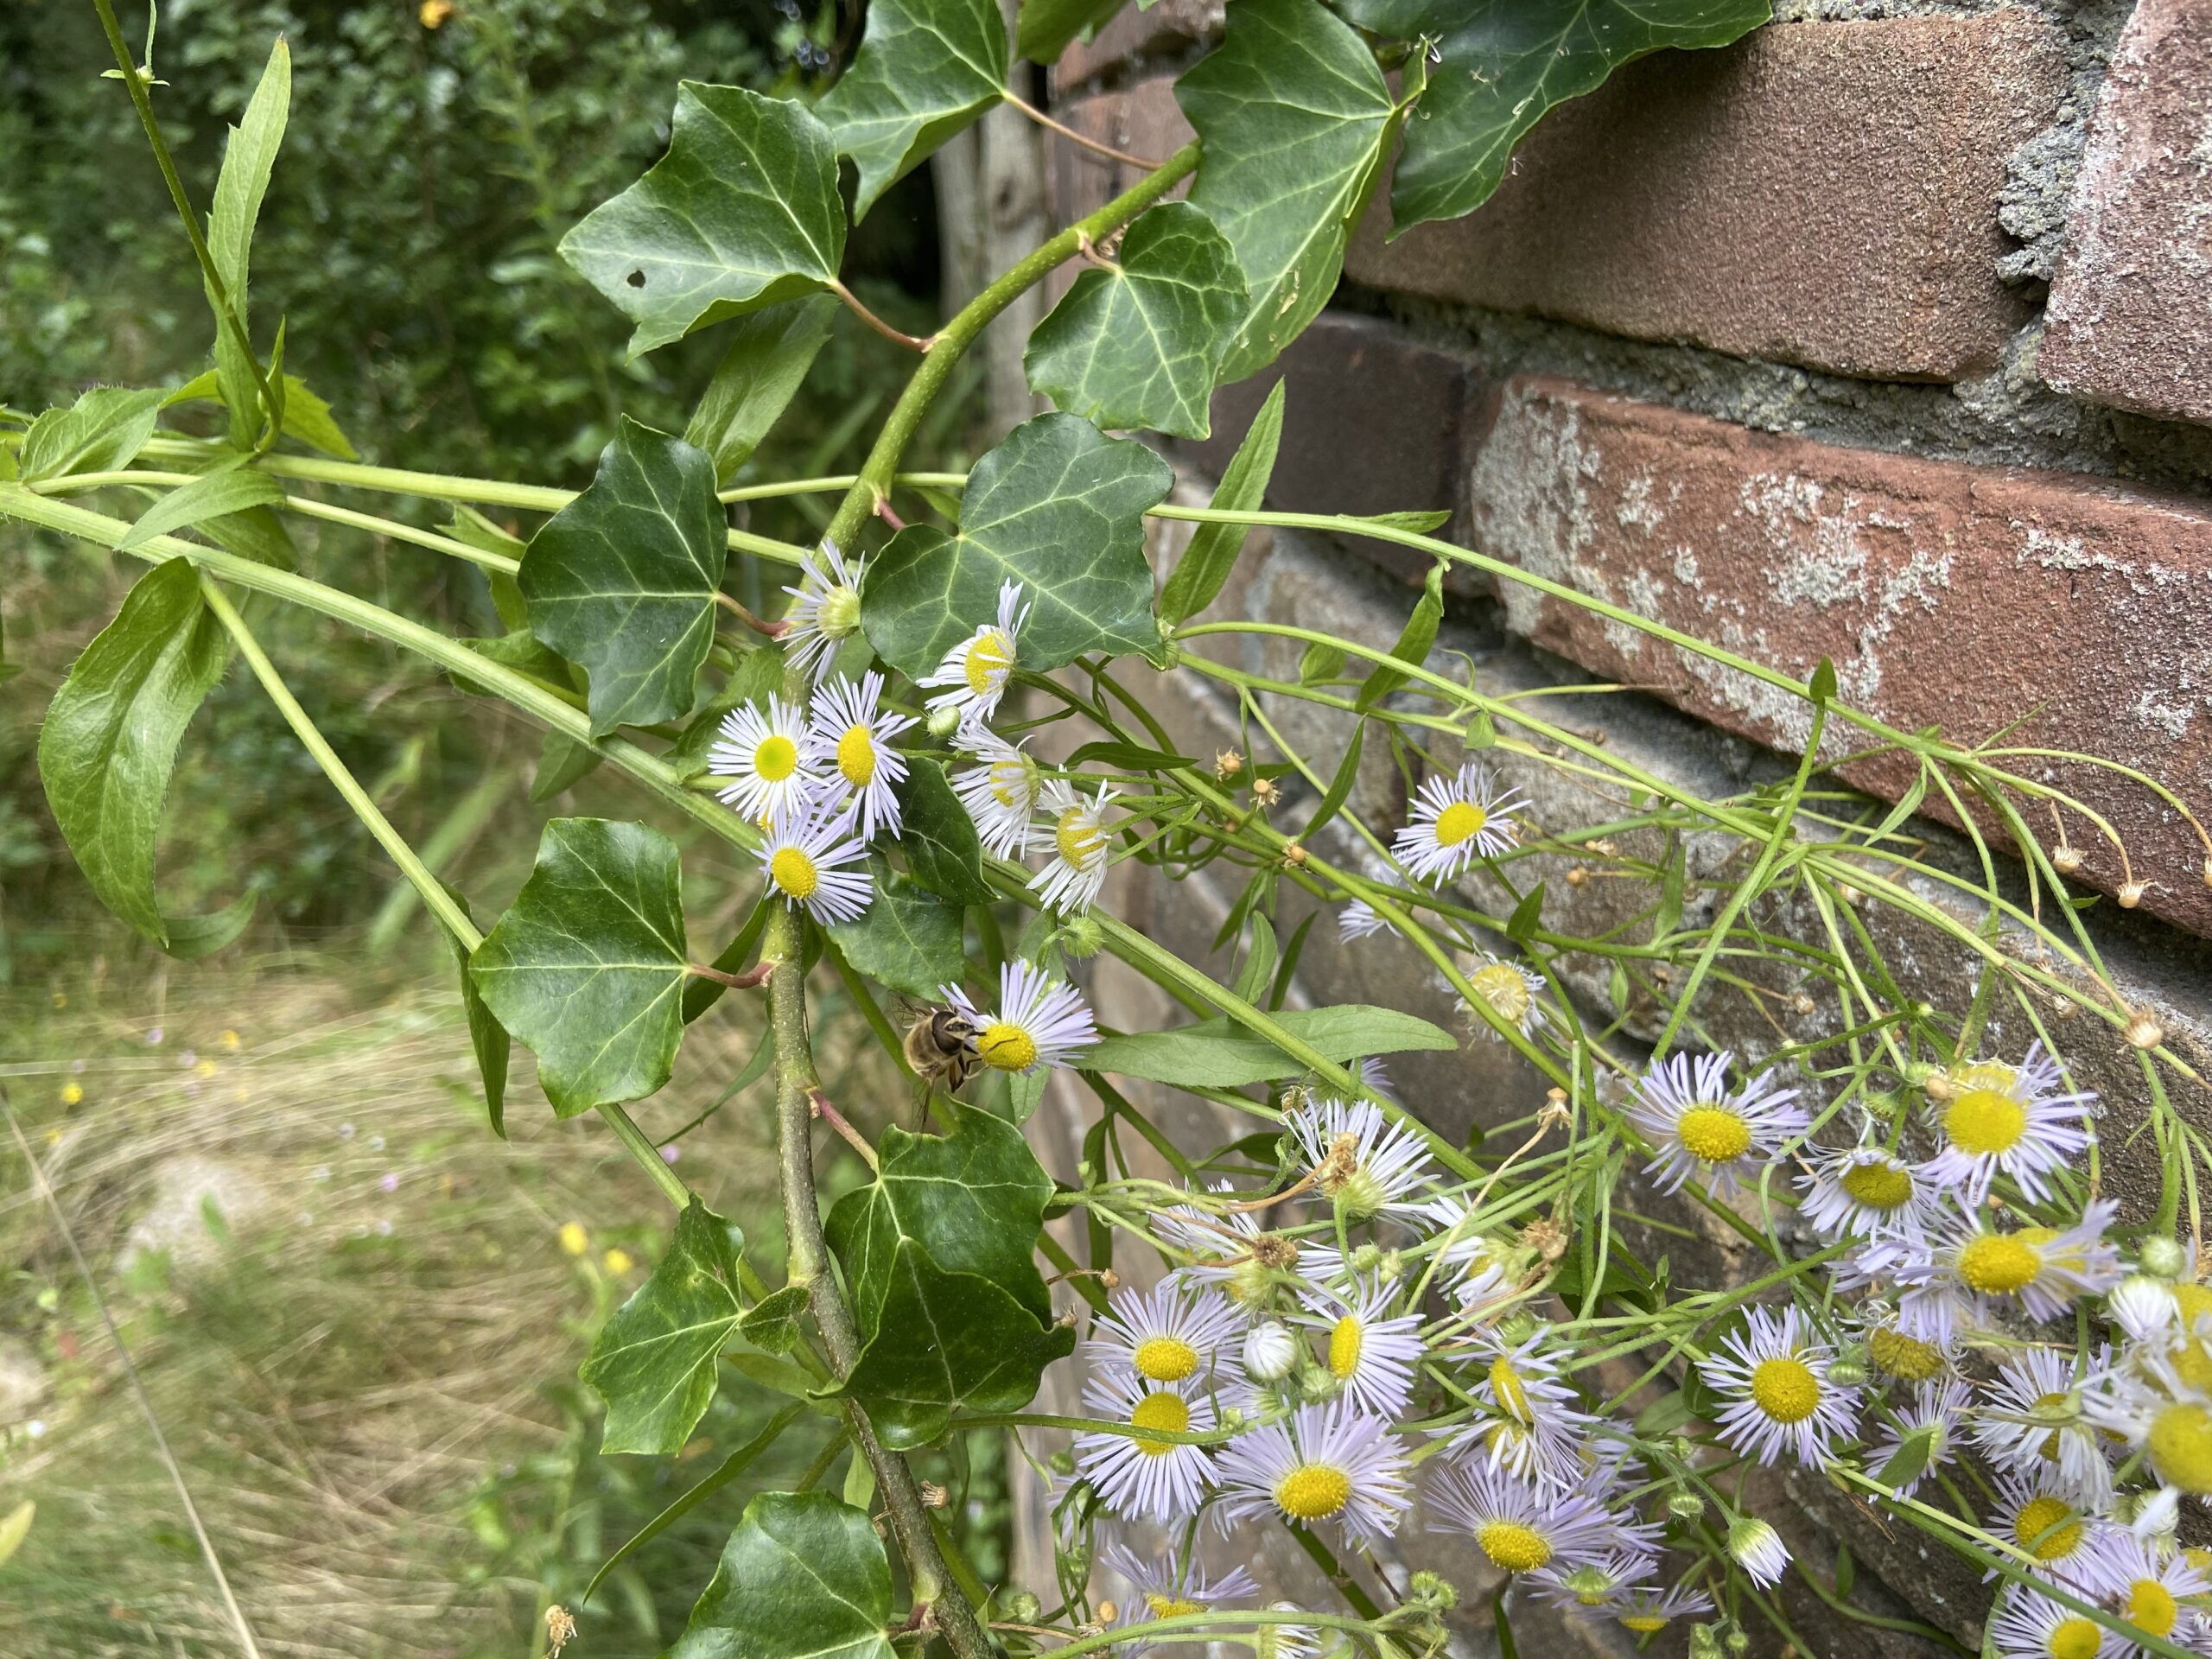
(1023, 1607)
(944, 721)
(2143, 1307)
(1758, 1549)
(2163, 1258)
(1270, 1351)
(1081, 937)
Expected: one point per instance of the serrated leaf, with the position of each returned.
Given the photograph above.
(943, 852)
(623, 579)
(772, 1323)
(653, 1361)
(909, 938)
(769, 354)
(1204, 569)
(803, 1577)
(1058, 507)
(488, 1038)
(1044, 28)
(249, 157)
(587, 968)
(742, 213)
(1294, 117)
(925, 70)
(1219, 1054)
(211, 495)
(1138, 344)
(98, 433)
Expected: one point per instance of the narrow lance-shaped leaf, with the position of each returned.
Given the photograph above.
(307, 417)
(211, 495)
(742, 213)
(488, 1038)
(804, 1577)
(1204, 569)
(769, 354)
(248, 160)
(925, 70)
(654, 1361)
(1219, 1054)
(98, 433)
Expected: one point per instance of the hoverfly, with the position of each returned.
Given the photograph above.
(940, 1046)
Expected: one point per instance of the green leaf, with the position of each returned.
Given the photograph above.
(561, 761)
(654, 1360)
(1505, 64)
(211, 495)
(943, 852)
(772, 1323)
(1907, 1463)
(1126, 757)
(1319, 663)
(803, 1577)
(623, 579)
(758, 673)
(1419, 523)
(1340, 786)
(307, 418)
(191, 937)
(1294, 117)
(248, 159)
(1045, 27)
(1138, 343)
(1823, 684)
(909, 938)
(1521, 925)
(110, 742)
(742, 213)
(1847, 1573)
(1058, 507)
(486, 1036)
(925, 69)
(769, 354)
(1663, 1415)
(1204, 569)
(588, 967)
(1413, 646)
(98, 433)
(1218, 1054)
(1252, 980)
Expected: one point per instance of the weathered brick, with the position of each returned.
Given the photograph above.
(1143, 120)
(2132, 305)
(1825, 194)
(1167, 28)
(2058, 610)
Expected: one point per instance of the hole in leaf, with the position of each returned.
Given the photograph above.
(637, 279)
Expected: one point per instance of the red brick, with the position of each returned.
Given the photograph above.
(1168, 28)
(2132, 305)
(1947, 594)
(1824, 194)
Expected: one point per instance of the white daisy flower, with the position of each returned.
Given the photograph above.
(1594, 1586)
(2034, 1425)
(825, 610)
(2141, 1584)
(763, 754)
(1478, 1271)
(1367, 1167)
(2000, 1119)
(1775, 1375)
(1896, 1353)
(1324, 1463)
(1371, 1353)
(804, 860)
(2144, 1309)
(1039, 1022)
(975, 672)
(1356, 919)
(1270, 1352)
(1868, 1192)
(2026, 1625)
(849, 743)
(1759, 1549)
(1167, 1588)
(2044, 1267)
(1509, 991)
(1001, 793)
(1644, 1610)
(1534, 1432)
(2153, 1407)
(1138, 1478)
(1521, 1529)
(1936, 1411)
(1456, 820)
(1167, 1334)
(1684, 1106)
(1081, 846)
(1232, 1251)
(2033, 1513)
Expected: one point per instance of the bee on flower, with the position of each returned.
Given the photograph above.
(825, 610)
(974, 673)
(1038, 1020)
(848, 737)
(763, 754)
(1456, 820)
(1701, 1128)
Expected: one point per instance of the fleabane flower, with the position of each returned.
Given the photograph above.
(1775, 1376)
(2045, 1268)
(1534, 1431)
(1081, 847)
(1038, 1020)
(1139, 1478)
(2028, 1625)
(1164, 1587)
(825, 610)
(1370, 1351)
(1700, 1126)
(1934, 1413)
(1356, 919)
(2152, 1406)
(2002, 1120)
(1368, 1166)
(1521, 1527)
(1508, 992)
(2035, 1514)
(2143, 1586)
(849, 736)
(1167, 1334)
(763, 754)
(973, 676)
(1001, 793)
(1644, 1609)
(1456, 820)
(1868, 1192)
(1759, 1549)
(2034, 1425)
(1482, 1269)
(1593, 1586)
(805, 860)
(1323, 1463)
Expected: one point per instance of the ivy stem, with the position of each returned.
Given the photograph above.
(837, 1120)
(897, 337)
(798, 1087)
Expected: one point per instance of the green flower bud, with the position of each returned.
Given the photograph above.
(1686, 1506)
(944, 721)
(1081, 937)
(840, 615)
(1430, 1590)
(1063, 1463)
(2163, 1258)
(1023, 1607)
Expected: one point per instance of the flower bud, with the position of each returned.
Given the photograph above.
(2163, 1257)
(1705, 1642)
(1081, 937)
(1737, 1640)
(1427, 1589)
(1847, 1371)
(2143, 1030)
(1517, 1327)
(1758, 1549)
(944, 721)
(1686, 1505)
(1316, 1385)
(2066, 860)
(2131, 893)
(840, 615)
(1270, 1351)
(1367, 1258)
(1063, 1463)
(1022, 1607)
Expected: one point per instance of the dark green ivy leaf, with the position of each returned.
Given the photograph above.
(772, 1323)
(758, 672)
(623, 579)
(654, 1360)
(588, 967)
(925, 69)
(742, 213)
(909, 938)
(1045, 27)
(1138, 343)
(803, 1577)
(486, 1036)
(98, 433)
(1058, 507)
(769, 354)
(1204, 569)
(943, 852)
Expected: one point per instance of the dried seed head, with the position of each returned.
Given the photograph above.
(1274, 1250)
(1294, 855)
(560, 1629)
(1577, 876)
(1108, 1612)
(2131, 893)
(2066, 860)
(2143, 1030)
(1265, 792)
(1548, 1236)
(1227, 765)
(1801, 1004)
(934, 1496)
(1109, 1279)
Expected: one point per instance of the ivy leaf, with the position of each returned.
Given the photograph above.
(98, 433)
(1219, 1054)
(925, 69)
(1045, 27)
(488, 1038)
(1139, 344)
(211, 495)
(588, 967)
(1203, 569)
(758, 672)
(561, 761)
(623, 579)
(943, 852)
(249, 157)
(742, 213)
(769, 355)
(1294, 117)
(1505, 64)
(772, 1323)
(803, 1577)
(908, 938)
(1058, 507)
(654, 1360)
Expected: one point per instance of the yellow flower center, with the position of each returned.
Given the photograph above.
(1006, 1046)
(1313, 1491)
(776, 759)
(2050, 1407)
(1462, 821)
(2043, 1528)
(1506, 1383)
(1514, 1546)
(1504, 989)
(1643, 1624)
(989, 656)
(1878, 1186)
(856, 755)
(1160, 1410)
(1170, 1606)
(1785, 1389)
(1999, 1262)
(793, 872)
(2180, 1444)
(2193, 1358)
(2151, 1606)
(1165, 1359)
(1907, 1358)
(1713, 1134)
(1345, 1340)
(1982, 1121)
(2075, 1638)
(1078, 836)
(1011, 783)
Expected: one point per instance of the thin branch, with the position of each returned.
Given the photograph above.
(912, 342)
(1085, 139)
(837, 1120)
